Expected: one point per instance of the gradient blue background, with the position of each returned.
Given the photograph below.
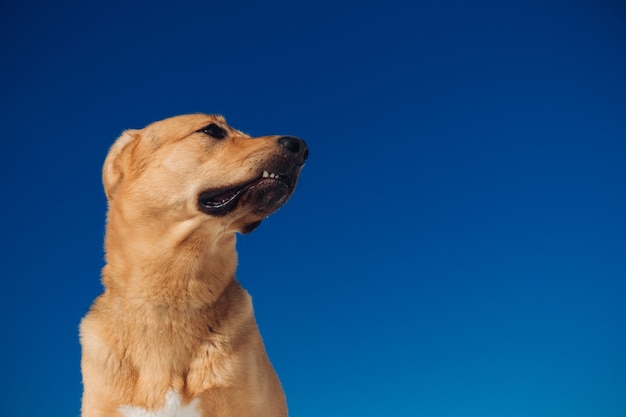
(457, 243)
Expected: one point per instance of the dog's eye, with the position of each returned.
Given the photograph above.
(214, 131)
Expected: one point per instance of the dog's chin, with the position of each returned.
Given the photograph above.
(260, 198)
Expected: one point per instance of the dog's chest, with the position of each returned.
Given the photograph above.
(172, 408)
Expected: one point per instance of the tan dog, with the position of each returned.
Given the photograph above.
(174, 333)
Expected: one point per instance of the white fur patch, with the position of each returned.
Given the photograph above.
(172, 408)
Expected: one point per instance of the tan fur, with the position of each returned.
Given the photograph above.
(172, 316)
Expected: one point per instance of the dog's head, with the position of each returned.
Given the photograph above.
(198, 168)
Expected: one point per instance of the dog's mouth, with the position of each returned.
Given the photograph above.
(266, 193)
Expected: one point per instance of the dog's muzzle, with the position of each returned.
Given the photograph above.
(268, 191)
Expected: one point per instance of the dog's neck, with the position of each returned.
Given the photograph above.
(185, 263)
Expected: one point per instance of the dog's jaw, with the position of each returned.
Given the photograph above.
(263, 194)
(266, 194)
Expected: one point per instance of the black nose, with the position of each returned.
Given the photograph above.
(296, 146)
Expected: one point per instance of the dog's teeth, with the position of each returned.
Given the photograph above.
(267, 174)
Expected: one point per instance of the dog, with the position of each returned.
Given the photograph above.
(174, 333)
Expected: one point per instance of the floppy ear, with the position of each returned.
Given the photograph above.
(116, 162)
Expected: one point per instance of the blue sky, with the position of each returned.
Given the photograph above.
(457, 242)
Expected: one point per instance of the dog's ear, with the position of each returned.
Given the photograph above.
(116, 162)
